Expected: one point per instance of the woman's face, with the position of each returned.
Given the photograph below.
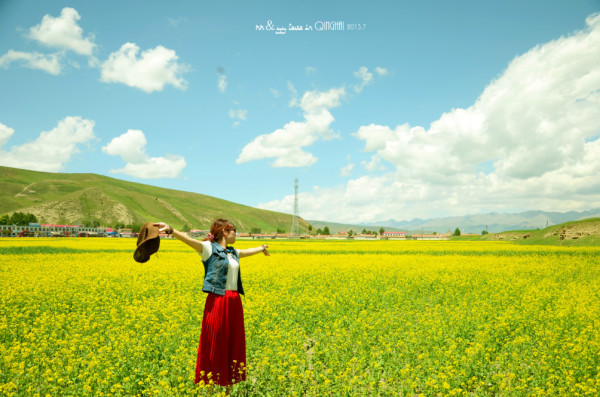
(229, 235)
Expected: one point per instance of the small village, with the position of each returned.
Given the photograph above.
(54, 230)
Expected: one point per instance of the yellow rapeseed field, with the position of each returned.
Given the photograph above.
(403, 318)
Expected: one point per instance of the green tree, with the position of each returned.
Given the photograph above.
(484, 232)
(280, 231)
(255, 230)
(456, 232)
(136, 227)
(319, 231)
(310, 228)
(350, 233)
(381, 231)
(92, 222)
(326, 230)
(22, 219)
(4, 219)
(29, 218)
(185, 228)
(16, 218)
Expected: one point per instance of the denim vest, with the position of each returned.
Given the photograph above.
(215, 270)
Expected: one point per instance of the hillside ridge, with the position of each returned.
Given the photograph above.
(73, 198)
(581, 232)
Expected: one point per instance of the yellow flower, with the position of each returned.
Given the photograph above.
(387, 317)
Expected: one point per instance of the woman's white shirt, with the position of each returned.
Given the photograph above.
(234, 266)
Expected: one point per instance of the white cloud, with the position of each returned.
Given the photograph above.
(532, 120)
(373, 165)
(222, 83)
(292, 90)
(33, 60)
(274, 92)
(361, 200)
(365, 76)
(347, 169)
(154, 69)
(63, 32)
(310, 70)
(52, 149)
(131, 148)
(155, 168)
(381, 71)
(530, 141)
(174, 22)
(5, 134)
(239, 114)
(285, 144)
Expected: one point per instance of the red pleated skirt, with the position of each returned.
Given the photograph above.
(222, 348)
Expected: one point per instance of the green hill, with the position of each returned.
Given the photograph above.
(577, 233)
(78, 198)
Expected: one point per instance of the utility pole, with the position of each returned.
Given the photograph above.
(295, 225)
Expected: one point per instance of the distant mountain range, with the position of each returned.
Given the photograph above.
(492, 222)
(75, 198)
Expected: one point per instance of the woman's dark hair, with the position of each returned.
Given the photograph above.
(218, 228)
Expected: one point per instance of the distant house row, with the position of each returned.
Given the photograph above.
(52, 230)
(392, 235)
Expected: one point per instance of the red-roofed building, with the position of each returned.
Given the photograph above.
(394, 234)
(430, 237)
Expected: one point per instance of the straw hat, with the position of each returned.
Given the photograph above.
(147, 243)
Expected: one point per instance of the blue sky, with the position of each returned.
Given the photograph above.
(414, 109)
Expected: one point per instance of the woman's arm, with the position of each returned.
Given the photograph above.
(192, 242)
(256, 250)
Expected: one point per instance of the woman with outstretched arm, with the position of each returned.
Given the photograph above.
(222, 347)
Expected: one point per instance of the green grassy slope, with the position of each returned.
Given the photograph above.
(584, 232)
(71, 198)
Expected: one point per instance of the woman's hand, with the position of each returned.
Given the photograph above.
(254, 251)
(164, 228)
(192, 242)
